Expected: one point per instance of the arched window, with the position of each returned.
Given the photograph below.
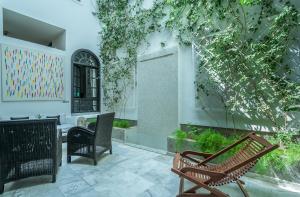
(85, 82)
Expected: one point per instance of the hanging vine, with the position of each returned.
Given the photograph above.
(124, 26)
(247, 50)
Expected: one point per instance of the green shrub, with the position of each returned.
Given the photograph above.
(117, 123)
(211, 141)
(180, 137)
(121, 124)
(281, 160)
(91, 120)
(271, 161)
(193, 132)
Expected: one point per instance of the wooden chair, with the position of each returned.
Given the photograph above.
(206, 175)
(86, 142)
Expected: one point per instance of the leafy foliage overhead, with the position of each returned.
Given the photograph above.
(246, 49)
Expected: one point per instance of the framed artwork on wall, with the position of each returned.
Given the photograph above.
(30, 74)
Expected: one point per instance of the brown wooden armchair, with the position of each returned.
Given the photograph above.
(206, 175)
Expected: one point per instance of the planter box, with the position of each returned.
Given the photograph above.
(121, 134)
(187, 144)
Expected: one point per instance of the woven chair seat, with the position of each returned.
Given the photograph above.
(40, 166)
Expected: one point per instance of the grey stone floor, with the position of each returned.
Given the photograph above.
(128, 172)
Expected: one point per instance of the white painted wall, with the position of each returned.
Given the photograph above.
(189, 111)
(158, 98)
(81, 32)
(155, 39)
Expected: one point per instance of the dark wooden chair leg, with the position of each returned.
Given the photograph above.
(68, 159)
(95, 155)
(196, 195)
(1, 188)
(18, 169)
(192, 190)
(181, 185)
(53, 178)
(240, 184)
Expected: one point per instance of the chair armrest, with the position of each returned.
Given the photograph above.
(80, 130)
(187, 153)
(59, 150)
(80, 135)
(205, 155)
(92, 126)
(211, 174)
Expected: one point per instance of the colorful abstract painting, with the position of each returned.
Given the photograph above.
(29, 74)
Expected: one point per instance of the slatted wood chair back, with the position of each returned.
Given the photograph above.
(250, 149)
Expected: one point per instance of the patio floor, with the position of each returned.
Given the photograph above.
(128, 172)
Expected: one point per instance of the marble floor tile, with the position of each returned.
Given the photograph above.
(75, 187)
(128, 172)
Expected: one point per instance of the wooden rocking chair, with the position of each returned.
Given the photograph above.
(206, 175)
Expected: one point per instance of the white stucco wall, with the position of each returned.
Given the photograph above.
(189, 111)
(81, 32)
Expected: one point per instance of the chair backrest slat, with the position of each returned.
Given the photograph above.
(251, 159)
(104, 129)
(224, 150)
(250, 151)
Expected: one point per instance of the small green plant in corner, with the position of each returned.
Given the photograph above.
(91, 120)
(210, 141)
(180, 137)
(121, 124)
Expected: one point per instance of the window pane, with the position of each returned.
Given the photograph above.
(86, 84)
(94, 94)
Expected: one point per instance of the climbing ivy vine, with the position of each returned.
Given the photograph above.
(125, 25)
(246, 49)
